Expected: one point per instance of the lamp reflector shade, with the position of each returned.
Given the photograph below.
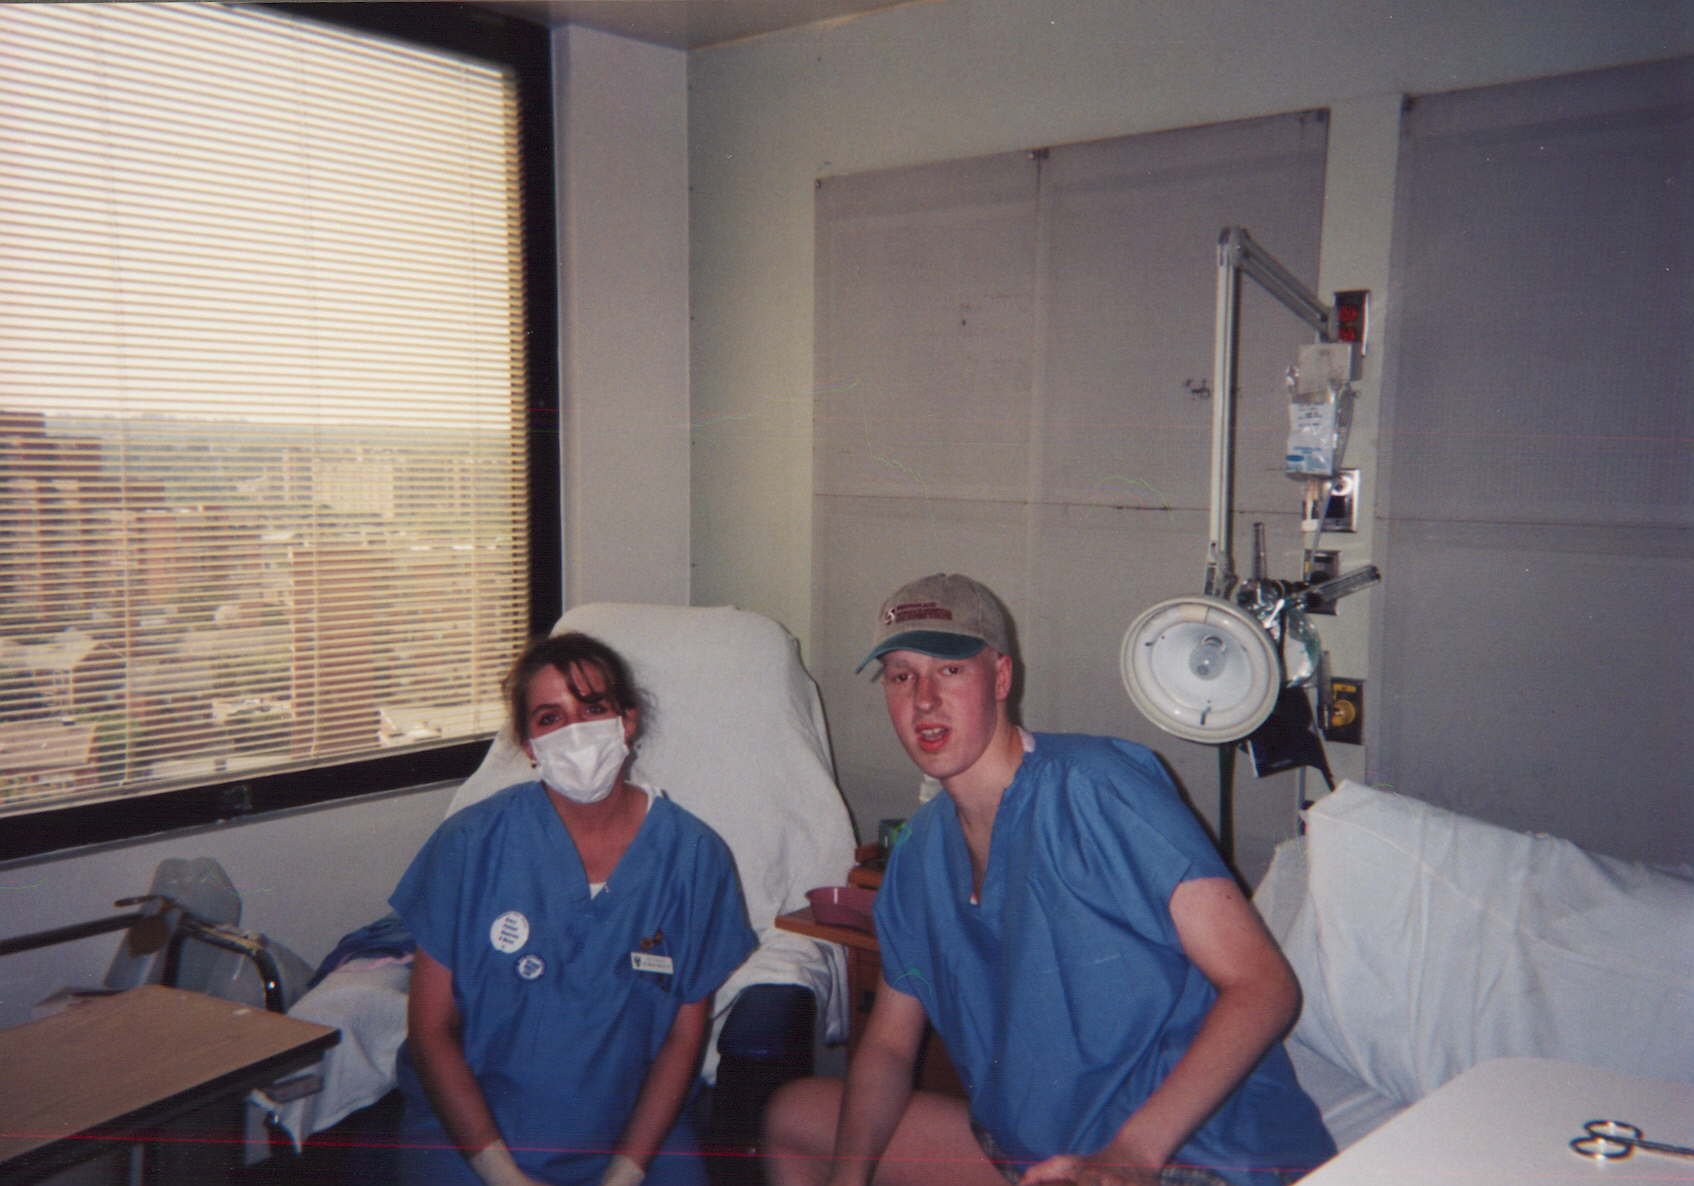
(1201, 668)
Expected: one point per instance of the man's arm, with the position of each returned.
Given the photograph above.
(1258, 999)
(879, 1085)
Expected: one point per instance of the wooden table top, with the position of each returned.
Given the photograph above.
(111, 1065)
(803, 922)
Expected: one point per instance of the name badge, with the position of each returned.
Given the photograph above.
(644, 961)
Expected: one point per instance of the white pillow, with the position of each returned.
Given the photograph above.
(1439, 941)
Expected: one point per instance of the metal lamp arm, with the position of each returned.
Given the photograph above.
(1247, 256)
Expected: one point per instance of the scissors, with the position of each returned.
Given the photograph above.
(1611, 1140)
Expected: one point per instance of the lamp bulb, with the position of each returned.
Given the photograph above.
(1208, 657)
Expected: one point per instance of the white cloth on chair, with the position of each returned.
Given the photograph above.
(366, 1001)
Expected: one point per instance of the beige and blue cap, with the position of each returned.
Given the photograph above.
(946, 615)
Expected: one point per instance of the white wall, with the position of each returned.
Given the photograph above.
(305, 878)
(623, 234)
(958, 78)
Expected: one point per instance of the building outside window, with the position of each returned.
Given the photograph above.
(277, 447)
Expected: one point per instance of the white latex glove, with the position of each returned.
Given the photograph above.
(494, 1165)
(623, 1171)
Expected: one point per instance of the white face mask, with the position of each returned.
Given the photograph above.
(582, 761)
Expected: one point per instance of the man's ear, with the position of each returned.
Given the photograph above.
(1002, 677)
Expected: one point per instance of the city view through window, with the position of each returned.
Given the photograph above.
(263, 395)
(184, 605)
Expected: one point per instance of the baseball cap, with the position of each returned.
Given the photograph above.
(947, 615)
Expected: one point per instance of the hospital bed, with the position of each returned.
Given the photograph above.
(1427, 942)
(736, 736)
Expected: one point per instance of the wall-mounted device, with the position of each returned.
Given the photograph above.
(1332, 505)
(1352, 318)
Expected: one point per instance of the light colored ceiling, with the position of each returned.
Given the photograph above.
(689, 24)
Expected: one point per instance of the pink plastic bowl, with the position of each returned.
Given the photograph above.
(843, 906)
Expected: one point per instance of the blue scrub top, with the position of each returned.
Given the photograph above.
(565, 998)
(1064, 997)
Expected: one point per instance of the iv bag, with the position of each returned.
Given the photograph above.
(1320, 411)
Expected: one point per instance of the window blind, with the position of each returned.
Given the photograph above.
(263, 485)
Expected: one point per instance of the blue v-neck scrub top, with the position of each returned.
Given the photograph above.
(1064, 997)
(566, 997)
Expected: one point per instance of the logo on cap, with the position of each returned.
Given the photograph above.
(913, 611)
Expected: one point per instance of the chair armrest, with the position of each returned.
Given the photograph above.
(771, 1024)
(251, 947)
(766, 1041)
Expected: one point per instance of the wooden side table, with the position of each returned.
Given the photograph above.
(864, 973)
(112, 1070)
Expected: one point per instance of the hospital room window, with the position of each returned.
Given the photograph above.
(278, 445)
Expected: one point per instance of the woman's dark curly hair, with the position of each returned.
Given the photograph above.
(569, 653)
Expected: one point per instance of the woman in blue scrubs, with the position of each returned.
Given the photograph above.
(571, 931)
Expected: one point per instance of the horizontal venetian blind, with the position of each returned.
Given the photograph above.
(262, 389)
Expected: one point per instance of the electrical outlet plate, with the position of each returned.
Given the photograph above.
(1337, 508)
(1344, 711)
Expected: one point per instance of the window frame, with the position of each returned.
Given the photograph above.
(525, 47)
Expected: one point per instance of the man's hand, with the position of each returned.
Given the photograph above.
(1090, 1171)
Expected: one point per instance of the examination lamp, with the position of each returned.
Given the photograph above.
(1201, 668)
(1214, 668)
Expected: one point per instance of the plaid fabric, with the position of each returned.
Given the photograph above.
(1189, 1175)
(1171, 1175)
(991, 1149)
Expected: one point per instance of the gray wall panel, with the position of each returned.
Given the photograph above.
(1538, 460)
(1538, 677)
(1002, 345)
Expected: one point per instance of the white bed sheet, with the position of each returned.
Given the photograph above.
(1427, 942)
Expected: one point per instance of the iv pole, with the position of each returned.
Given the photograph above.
(1230, 605)
(1238, 253)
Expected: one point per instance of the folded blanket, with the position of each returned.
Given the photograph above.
(386, 937)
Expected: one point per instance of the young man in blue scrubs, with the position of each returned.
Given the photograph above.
(1109, 997)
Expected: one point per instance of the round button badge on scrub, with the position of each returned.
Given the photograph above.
(509, 932)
